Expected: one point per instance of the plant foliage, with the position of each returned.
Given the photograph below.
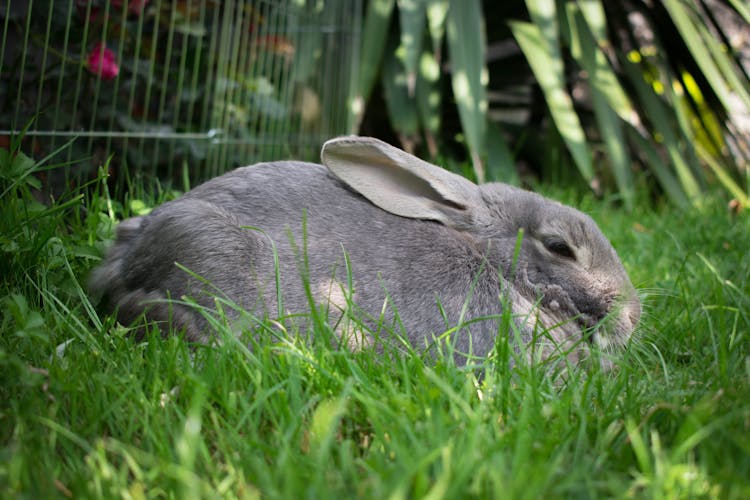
(87, 411)
(629, 94)
(162, 85)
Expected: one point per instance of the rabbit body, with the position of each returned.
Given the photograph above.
(419, 254)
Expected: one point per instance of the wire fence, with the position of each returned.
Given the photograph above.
(164, 86)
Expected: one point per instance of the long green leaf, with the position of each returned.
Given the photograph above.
(412, 18)
(725, 179)
(593, 13)
(500, 164)
(612, 133)
(727, 65)
(661, 171)
(606, 80)
(467, 48)
(544, 17)
(661, 119)
(402, 108)
(437, 13)
(704, 57)
(685, 119)
(374, 37)
(549, 75)
(607, 95)
(429, 98)
(742, 8)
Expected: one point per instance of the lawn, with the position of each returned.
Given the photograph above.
(87, 411)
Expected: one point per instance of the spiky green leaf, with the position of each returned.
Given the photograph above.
(437, 13)
(662, 121)
(374, 37)
(402, 108)
(710, 58)
(607, 95)
(548, 72)
(428, 94)
(412, 19)
(467, 48)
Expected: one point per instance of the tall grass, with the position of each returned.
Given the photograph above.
(86, 411)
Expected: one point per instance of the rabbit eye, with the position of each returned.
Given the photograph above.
(559, 247)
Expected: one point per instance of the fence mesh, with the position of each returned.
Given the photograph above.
(161, 86)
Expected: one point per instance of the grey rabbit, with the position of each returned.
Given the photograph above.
(405, 244)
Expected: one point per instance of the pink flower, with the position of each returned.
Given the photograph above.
(134, 6)
(101, 62)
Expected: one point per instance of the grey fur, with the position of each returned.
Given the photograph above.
(225, 230)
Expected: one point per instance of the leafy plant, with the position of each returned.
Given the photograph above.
(636, 95)
(154, 87)
(86, 410)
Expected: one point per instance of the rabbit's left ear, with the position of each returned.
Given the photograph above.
(401, 183)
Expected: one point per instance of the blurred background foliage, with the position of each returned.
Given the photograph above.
(630, 99)
(162, 88)
(624, 96)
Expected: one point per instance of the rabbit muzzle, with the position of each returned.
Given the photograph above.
(604, 322)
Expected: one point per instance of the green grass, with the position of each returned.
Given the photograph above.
(111, 417)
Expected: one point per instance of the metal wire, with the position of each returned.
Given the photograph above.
(202, 84)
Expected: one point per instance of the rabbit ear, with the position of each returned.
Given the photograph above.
(401, 183)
